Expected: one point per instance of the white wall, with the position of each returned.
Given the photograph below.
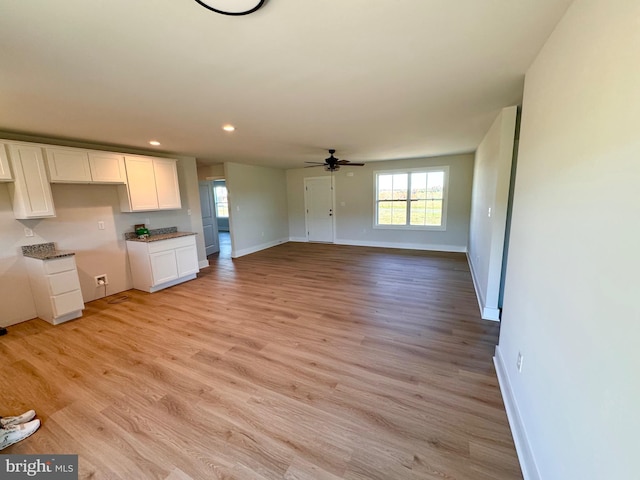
(75, 228)
(257, 207)
(355, 198)
(211, 172)
(491, 179)
(571, 299)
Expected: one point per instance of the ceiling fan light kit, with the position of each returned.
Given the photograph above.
(232, 7)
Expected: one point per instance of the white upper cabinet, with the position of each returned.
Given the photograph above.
(152, 184)
(141, 185)
(107, 167)
(5, 170)
(31, 192)
(167, 184)
(70, 165)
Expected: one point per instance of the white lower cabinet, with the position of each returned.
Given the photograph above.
(187, 260)
(163, 263)
(163, 266)
(56, 288)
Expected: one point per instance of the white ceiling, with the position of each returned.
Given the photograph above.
(374, 79)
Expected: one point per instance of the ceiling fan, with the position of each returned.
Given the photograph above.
(333, 164)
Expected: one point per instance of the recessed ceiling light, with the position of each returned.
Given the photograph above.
(155, 143)
(228, 128)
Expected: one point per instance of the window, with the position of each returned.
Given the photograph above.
(412, 199)
(222, 201)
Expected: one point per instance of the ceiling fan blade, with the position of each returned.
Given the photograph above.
(347, 162)
(314, 166)
(316, 163)
(356, 164)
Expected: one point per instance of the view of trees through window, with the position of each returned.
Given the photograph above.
(222, 202)
(410, 198)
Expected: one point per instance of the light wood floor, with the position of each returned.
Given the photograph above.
(304, 361)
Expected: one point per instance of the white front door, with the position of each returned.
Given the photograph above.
(318, 201)
(209, 224)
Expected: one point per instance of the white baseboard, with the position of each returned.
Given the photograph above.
(523, 447)
(404, 246)
(203, 263)
(487, 313)
(298, 239)
(257, 248)
(7, 322)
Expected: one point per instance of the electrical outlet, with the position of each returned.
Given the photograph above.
(101, 280)
(519, 362)
(28, 232)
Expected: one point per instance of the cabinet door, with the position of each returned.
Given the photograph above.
(107, 167)
(163, 266)
(141, 184)
(166, 174)
(68, 166)
(187, 260)
(5, 171)
(31, 192)
(67, 303)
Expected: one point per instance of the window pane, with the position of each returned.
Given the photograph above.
(385, 187)
(392, 213)
(400, 184)
(418, 186)
(435, 185)
(399, 213)
(385, 213)
(419, 212)
(434, 212)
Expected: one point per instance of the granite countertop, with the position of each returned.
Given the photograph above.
(157, 234)
(44, 251)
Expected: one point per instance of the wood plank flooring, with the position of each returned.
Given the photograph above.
(304, 361)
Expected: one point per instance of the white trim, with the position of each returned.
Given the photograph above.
(405, 246)
(487, 313)
(519, 433)
(298, 239)
(257, 248)
(203, 263)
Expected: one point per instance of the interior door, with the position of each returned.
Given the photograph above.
(209, 222)
(318, 200)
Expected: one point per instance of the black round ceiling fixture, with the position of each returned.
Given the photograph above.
(232, 7)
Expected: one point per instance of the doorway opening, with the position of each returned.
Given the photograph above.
(214, 203)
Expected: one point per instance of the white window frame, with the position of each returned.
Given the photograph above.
(409, 171)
